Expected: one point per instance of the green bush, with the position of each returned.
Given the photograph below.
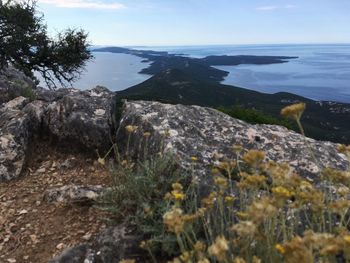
(137, 196)
(253, 116)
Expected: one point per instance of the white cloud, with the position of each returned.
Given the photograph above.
(274, 7)
(83, 4)
(267, 8)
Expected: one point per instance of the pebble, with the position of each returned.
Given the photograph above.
(60, 246)
(23, 212)
(41, 170)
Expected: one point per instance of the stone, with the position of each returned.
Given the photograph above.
(19, 122)
(13, 84)
(118, 243)
(74, 194)
(78, 254)
(111, 246)
(82, 117)
(209, 135)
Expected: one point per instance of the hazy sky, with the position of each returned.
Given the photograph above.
(202, 22)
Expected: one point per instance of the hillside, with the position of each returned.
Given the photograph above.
(323, 120)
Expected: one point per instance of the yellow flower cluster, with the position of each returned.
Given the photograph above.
(293, 111)
(219, 248)
(176, 194)
(173, 220)
(254, 158)
(131, 128)
(264, 213)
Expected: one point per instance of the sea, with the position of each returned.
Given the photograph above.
(321, 72)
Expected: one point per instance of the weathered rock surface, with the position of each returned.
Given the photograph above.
(82, 116)
(18, 123)
(13, 84)
(204, 133)
(74, 194)
(111, 246)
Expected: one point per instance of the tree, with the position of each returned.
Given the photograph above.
(26, 45)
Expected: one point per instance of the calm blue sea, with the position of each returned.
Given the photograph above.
(321, 72)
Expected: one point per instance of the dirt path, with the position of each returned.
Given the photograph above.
(32, 230)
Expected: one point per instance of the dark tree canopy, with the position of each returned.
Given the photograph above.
(26, 45)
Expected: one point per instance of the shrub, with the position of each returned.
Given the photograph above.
(253, 116)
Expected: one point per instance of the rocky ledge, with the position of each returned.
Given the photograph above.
(82, 118)
(208, 136)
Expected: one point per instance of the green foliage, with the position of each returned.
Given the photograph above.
(253, 116)
(29, 93)
(25, 44)
(137, 195)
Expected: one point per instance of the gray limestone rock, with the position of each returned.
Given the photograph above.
(19, 120)
(78, 254)
(83, 117)
(207, 134)
(111, 246)
(13, 84)
(74, 194)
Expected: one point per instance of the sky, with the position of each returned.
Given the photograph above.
(201, 22)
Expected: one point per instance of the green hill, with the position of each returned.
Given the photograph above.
(322, 120)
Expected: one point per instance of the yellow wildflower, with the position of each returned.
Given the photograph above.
(199, 246)
(239, 260)
(178, 196)
(173, 219)
(293, 111)
(177, 186)
(254, 157)
(242, 215)
(194, 158)
(131, 128)
(146, 134)
(221, 182)
(244, 228)
(280, 249)
(340, 207)
(282, 192)
(347, 239)
(219, 248)
(186, 256)
(229, 199)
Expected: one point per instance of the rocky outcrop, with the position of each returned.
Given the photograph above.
(82, 118)
(111, 246)
(13, 84)
(18, 123)
(208, 135)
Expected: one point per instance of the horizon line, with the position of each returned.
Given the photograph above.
(198, 45)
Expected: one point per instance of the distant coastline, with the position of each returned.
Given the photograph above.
(200, 68)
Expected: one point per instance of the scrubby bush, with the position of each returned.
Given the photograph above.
(253, 116)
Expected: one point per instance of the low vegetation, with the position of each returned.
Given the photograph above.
(253, 116)
(256, 210)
